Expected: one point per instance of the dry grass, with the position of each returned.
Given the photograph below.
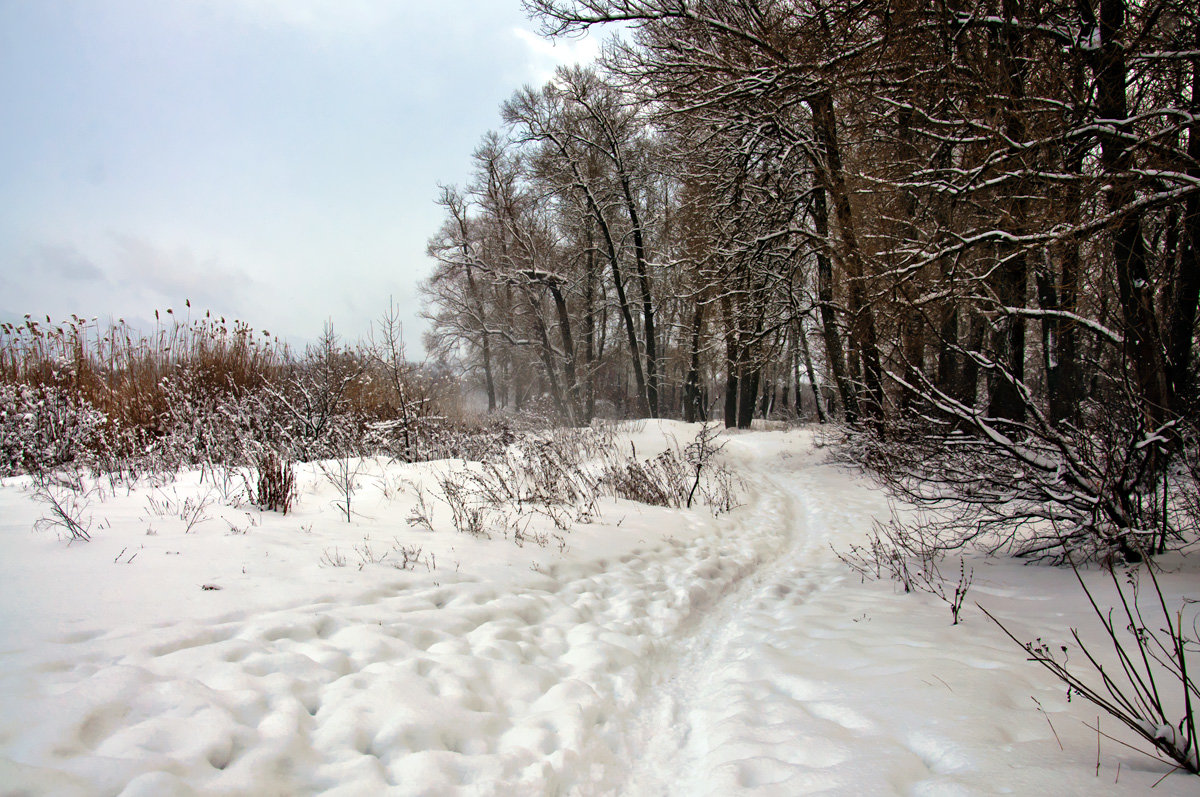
(120, 372)
(193, 391)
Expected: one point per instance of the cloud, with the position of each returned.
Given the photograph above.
(66, 262)
(176, 274)
(545, 55)
(313, 16)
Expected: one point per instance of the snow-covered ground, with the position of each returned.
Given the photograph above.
(653, 651)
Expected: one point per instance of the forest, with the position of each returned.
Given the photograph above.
(968, 230)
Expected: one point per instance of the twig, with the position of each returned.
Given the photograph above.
(1048, 722)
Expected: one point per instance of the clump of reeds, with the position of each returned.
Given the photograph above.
(206, 391)
(275, 488)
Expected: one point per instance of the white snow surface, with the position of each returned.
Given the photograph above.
(652, 651)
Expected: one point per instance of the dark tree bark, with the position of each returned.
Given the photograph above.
(812, 377)
(833, 337)
(1135, 289)
(1182, 333)
(639, 259)
(862, 316)
(692, 407)
(1012, 274)
(733, 364)
(747, 395)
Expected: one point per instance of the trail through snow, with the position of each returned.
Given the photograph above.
(722, 719)
(662, 653)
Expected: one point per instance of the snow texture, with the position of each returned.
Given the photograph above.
(654, 651)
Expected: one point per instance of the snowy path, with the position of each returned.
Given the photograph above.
(728, 656)
(802, 681)
(724, 719)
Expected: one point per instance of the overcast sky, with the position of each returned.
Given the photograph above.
(275, 161)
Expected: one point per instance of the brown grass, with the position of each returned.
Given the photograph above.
(209, 390)
(120, 371)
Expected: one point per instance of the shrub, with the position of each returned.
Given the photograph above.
(275, 487)
(1151, 686)
(67, 500)
(1094, 493)
(45, 426)
(199, 393)
(677, 478)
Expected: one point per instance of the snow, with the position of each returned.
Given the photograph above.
(653, 651)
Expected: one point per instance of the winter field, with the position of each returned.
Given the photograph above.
(199, 646)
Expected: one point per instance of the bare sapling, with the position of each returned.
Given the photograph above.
(911, 555)
(699, 452)
(343, 472)
(332, 557)
(1150, 690)
(467, 514)
(421, 515)
(192, 510)
(385, 350)
(368, 555)
(410, 557)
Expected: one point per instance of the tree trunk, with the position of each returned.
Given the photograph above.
(733, 364)
(1012, 274)
(862, 317)
(833, 338)
(812, 377)
(1135, 290)
(564, 327)
(968, 388)
(635, 354)
(691, 383)
(545, 352)
(593, 206)
(639, 258)
(1008, 341)
(484, 341)
(747, 394)
(949, 375)
(1187, 291)
(589, 323)
(912, 341)
(1060, 337)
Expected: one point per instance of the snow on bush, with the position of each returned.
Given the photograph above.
(43, 427)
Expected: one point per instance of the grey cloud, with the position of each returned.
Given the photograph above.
(177, 274)
(67, 262)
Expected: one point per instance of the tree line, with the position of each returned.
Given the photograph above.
(993, 202)
(977, 217)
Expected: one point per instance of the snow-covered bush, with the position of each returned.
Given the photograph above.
(562, 474)
(660, 481)
(207, 393)
(44, 426)
(211, 394)
(677, 478)
(439, 437)
(902, 550)
(208, 421)
(1105, 489)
